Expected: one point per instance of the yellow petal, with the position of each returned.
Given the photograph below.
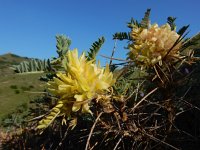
(86, 108)
(76, 107)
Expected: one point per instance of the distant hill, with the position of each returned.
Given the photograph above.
(7, 60)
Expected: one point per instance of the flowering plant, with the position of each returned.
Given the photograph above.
(137, 102)
(151, 45)
(81, 82)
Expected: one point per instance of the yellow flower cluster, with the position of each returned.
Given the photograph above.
(82, 82)
(151, 45)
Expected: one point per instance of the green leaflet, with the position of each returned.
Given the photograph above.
(171, 22)
(146, 20)
(95, 48)
(34, 65)
(62, 45)
(121, 36)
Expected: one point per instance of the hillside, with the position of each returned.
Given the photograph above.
(16, 89)
(7, 60)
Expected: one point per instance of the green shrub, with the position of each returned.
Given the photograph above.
(13, 86)
(17, 91)
(31, 86)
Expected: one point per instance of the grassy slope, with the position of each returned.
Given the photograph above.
(13, 91)
(14, 86)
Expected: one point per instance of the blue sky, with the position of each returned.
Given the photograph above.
(28, 27)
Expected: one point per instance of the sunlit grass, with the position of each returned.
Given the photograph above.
(14, 91)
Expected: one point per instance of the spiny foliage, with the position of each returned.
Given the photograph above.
(33, 65)
(121, 36)
(146, 21)
(133, 23)
(182, 30)
(126, 35)
(171, 22)
(95, 48)
(62, 45)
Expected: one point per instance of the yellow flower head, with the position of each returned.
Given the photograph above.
(82, 81)
(151, 45)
